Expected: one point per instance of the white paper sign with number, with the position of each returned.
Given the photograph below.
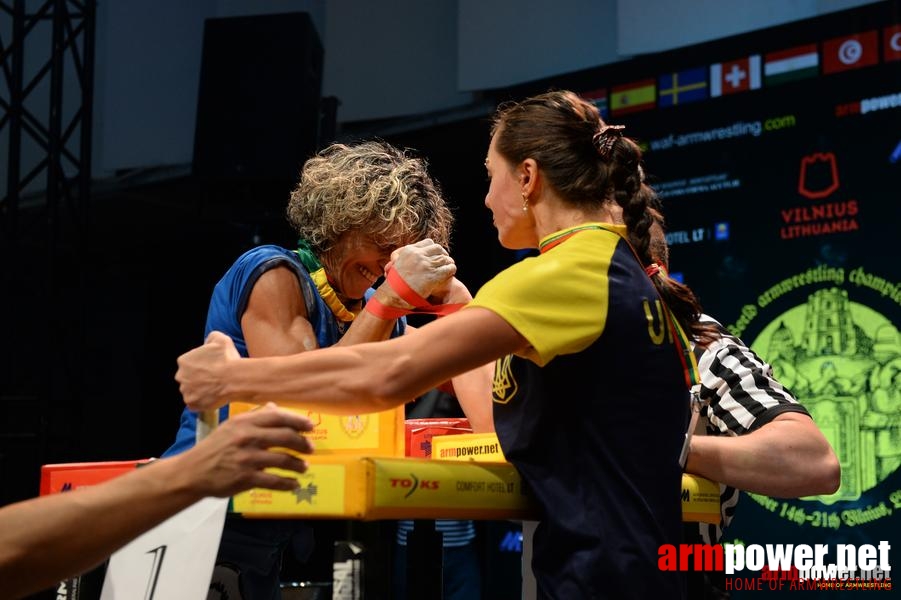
(172, 561)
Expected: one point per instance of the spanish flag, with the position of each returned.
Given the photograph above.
(633, 97)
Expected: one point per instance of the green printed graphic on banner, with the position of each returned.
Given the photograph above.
(842, 359)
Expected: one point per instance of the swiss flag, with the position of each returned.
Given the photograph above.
(850, 52)
(891, 37)
(735, 76)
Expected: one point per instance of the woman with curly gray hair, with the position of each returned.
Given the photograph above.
(354, 205)
(358, 210)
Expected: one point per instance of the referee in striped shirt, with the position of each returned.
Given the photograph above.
(753, 434)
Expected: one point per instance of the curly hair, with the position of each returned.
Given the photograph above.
(371, 187)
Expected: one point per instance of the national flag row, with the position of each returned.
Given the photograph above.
(839, 54)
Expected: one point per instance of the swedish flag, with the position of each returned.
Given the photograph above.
(683, 87)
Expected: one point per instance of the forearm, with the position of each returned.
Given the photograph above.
(47, 539)
(788, 457)
(370, 377)
(473, 391)
(366, 327)
(349, 380)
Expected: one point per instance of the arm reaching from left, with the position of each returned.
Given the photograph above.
(46, 539)
(363, 378)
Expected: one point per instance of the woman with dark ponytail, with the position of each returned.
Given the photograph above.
(608, 171)
(590, 391)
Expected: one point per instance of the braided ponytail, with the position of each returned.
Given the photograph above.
(640, 206)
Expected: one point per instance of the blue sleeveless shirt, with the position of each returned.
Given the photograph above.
(229, 301)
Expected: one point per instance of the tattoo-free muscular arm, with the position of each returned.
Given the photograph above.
(363, 378)
(276, 323)
(788, 457)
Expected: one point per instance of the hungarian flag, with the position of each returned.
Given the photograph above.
(850, 52)
(792, 64)
(735, 76)
(891, 43)
(633, 97)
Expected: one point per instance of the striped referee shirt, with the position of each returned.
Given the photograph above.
(740, 395)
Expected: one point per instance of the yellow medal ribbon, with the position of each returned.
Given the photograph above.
(331, 297)
(317, 272)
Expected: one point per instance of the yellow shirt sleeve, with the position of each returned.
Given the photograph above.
(558, 301)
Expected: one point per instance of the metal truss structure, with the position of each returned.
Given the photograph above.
(48, 52)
